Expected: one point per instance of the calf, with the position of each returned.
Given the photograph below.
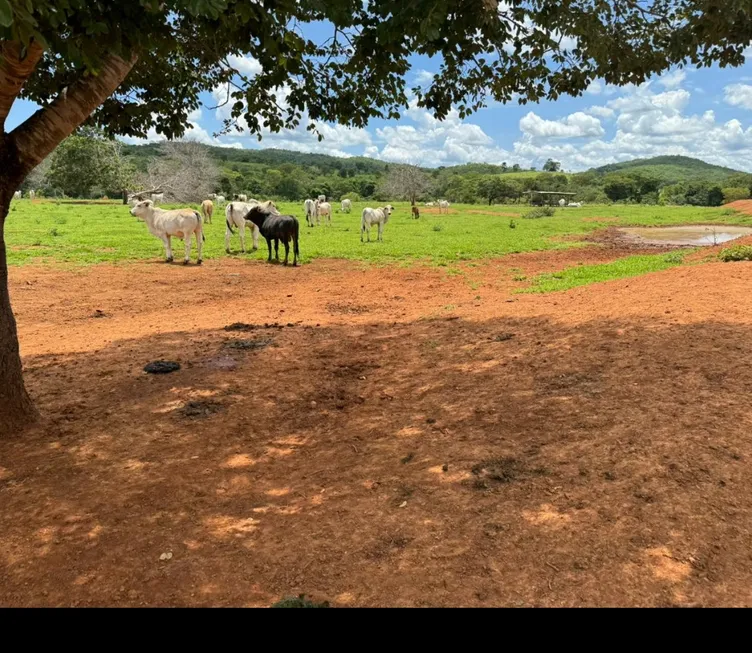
(181, 223)
(207, 210)
(374, 216)
(275, 227)
(323, 209)
(235, 213)
(346, 206)
(416, 212)
(309, 207)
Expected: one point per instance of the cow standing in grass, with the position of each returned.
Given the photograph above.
(180, 223)
(207, 210)
(275, 227)
(372, 217)
(309, 206)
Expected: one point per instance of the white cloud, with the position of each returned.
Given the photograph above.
(738, 95)
(594, 88)
(430, 142)
(423, 78)
(575, 125)
(674, 79)
(600, 112)
(245, 65)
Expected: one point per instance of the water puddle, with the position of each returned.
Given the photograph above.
(695, 236)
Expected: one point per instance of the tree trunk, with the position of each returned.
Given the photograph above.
(16, 407)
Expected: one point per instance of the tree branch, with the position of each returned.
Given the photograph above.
(43, 132)
(15, 69)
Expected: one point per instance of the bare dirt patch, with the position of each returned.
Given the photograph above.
(611, 432)
(743, 206)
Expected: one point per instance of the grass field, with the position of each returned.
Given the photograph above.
(47, 231)
(582, 275)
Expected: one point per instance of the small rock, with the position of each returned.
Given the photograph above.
(161, 367)
(445, 468)
(403, 504)
(361, 378)
(167, 555)
(313, 404)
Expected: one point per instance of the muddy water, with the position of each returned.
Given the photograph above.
(696, 235)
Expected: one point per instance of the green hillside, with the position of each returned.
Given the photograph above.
(287, 175)
(671, 169)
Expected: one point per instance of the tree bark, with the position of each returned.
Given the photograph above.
(20, 152)
(16, 407)
(45, 130)
(14, 71)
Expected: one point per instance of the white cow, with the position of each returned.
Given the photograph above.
(443, 204)
(207, 210)
(235, 213)
(575, 205)
(322, 198)
(309, 206)
(346, 206)
(181, 223)
(242, 198)
(157, 198)
(430, 203)
(374, 216)
(17, 195)
(32, 194)
(562, 202)
(323, 210)
(219, 199)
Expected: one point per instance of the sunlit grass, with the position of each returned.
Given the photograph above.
(48, 231)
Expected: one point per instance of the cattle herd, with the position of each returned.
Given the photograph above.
(263, 218)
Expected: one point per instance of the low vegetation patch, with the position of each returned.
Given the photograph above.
(540, 212)
(582, 275)
(736, 253)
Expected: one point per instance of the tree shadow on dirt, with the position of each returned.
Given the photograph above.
(438, 462)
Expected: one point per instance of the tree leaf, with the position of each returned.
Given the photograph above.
(6, 13)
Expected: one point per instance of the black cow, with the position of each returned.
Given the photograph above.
(276, 227)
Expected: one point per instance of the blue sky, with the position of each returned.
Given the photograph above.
(705, 113)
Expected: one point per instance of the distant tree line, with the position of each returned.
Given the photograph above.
(89, 165)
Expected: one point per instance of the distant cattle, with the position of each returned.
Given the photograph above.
(241, 198)
(207, 210)
(324, 210)
(415, 211)
(309, 207)
(575, 205)
(157, 198)
(321, 198)
(32, 194)
(17, 195)
(371, 217)
(562, 202)
(443, 206)
(346, 206)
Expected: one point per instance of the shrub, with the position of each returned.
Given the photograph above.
(512, 224)
(437, 227)
(734, 194)
(736, 253)
(540, 212)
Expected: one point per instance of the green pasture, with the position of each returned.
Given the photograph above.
(83, 233)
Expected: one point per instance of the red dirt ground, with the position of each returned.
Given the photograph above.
(743, 206)
(415, 439)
